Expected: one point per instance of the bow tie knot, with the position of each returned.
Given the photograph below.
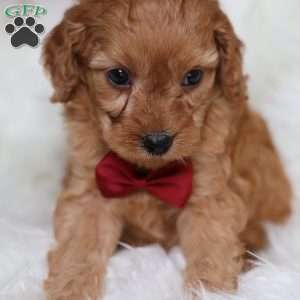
(116, 178)
(140, 183)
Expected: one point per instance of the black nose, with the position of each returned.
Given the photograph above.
(157, 143)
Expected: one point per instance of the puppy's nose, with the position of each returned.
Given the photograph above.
(157, 143)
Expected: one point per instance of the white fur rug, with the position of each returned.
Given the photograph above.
(32, 161)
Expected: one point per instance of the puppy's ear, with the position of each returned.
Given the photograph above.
(60, 54)
(230, 72)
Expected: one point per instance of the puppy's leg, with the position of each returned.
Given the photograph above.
(87, 232)
(209, 232)
(254, 236)
(258, 165)
(275, 198)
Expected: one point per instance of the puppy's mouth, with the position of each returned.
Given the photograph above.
(149, 151)
(141, 172)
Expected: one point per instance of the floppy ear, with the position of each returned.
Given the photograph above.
(60, 54)
(230, 73)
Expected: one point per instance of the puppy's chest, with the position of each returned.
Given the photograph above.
(148, 220)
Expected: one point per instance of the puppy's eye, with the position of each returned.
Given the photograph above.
(119, 77)
(192, 78)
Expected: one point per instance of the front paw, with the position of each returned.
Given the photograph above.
(203, 275)
(80, 286)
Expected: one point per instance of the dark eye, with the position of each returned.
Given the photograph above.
(119, 77)
(192, 78)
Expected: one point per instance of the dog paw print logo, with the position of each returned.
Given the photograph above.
(24, 34)
(25, 28)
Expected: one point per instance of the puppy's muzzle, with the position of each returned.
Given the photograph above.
(157, 143)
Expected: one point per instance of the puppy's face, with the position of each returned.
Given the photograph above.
(151, 70)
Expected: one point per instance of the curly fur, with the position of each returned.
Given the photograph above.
(239, 181)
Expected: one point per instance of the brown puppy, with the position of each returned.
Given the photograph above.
(128, 68)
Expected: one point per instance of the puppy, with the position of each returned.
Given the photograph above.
(155, 101)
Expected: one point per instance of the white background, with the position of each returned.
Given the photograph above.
(32, 163)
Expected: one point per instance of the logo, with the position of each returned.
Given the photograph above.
(24, 28)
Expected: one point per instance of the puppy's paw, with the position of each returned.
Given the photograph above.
(85, 285)
(197, 278)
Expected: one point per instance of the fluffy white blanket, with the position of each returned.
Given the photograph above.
(32, 162)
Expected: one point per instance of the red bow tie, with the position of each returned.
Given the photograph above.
(171, 184)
